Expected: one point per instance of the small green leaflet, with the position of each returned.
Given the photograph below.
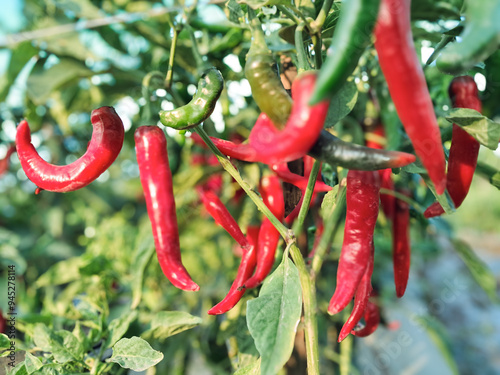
(484, 130)
(169, 323)
(32, 363)
(119, 326)
(480, 272)
(342, 103)
(135, 354)
(273, 317)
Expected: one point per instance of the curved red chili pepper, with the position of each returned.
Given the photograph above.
(362, 202)
(272, 195)
(283, 172)
(464, 148)
(4, 163)
(401, 251)
(407, 86)
(360, 300)
(301, 130)
(103, 148)
(240, 151)
(156, 180)
(221, 215)
(372, 320)
(245, 271)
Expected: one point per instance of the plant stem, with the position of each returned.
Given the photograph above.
(173, 47)
(306, 201)
(299, 46)
(321, 18)
(331, 225)
(226, 164)
(403, 198)
(289, 13)
(309, 301)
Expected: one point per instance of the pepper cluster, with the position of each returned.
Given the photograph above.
(292, 128)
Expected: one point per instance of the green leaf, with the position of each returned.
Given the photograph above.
(306, 7)
(444, 199)
(342, 103)
(65, 346)
(484, 130)
(235, 11)
(32, 363)
(495, 180)
(169, 323)
(251, 369)
(135, 354)
(4, 341)
(273, 317)
(118, 327)
(479, 270)
(18, 59)
(61, 273)
(145, 250)
(41, 337)
(42, 83)
(329, 202)
(19, 369)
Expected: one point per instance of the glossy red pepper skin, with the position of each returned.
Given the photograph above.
(360, 300)
(372, 320)
(464, 148)
(272, 195)
(283, 172)
(401, 251)
(103, 148)
(222, 216)
(362, 202)
(301, 130)
(4, 163)
(401, 67)
(156, 180)
(245, 271)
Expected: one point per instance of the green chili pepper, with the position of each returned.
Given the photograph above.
(352, 35)
(267, 90)
(200, 107)
(479, 38)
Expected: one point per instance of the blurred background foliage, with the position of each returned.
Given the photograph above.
(83, 259)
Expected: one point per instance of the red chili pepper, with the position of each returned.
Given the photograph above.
(362, 202)
(387, 201)
(464, 148)
(407, 86)
(401, 252)
(301, 130)
(238, 151)
(372, 320)
(103, 148)
(283, 172)
(360, 300)
(245, 271)
(156, 180)
(272, 195)
(222, 216)
(4, 163)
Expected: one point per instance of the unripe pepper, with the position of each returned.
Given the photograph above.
(156, 180)
(478, 40)
(464, 148)
(352, 35)
(362, 202)
(267, 90)
(406, 81)
(102, 150)
(201, 105)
